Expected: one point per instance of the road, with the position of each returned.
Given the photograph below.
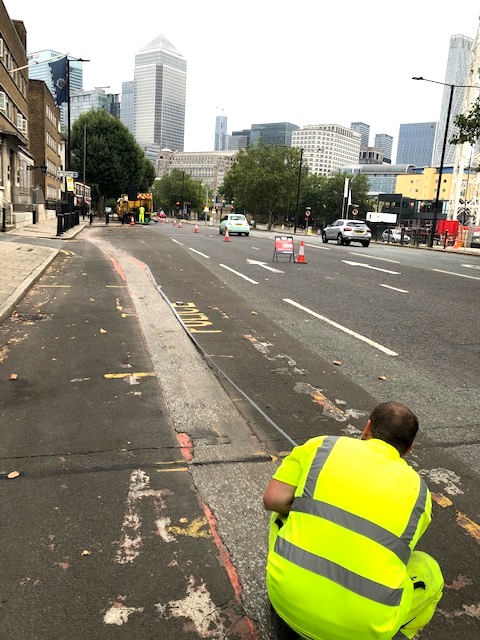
(301, 349)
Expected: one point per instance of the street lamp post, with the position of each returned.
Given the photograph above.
(442, 158)
(295, 221)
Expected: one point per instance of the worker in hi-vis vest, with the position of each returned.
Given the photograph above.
(141, 214)
(347, 515)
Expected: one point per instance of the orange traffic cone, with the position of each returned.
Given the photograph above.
(458, 241)
(132, 221)
(301, 254)
(227, 235)
(196, 228)
(174, 222)
(179, 224)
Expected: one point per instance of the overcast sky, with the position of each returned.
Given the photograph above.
(304, 62)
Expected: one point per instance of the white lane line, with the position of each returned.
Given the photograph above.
(238, 274)
(387, 286)
(460, 275)
(180, 243)
(355, 253)
(380, 347)
(471, 266)
(369, 266)
(316, 246)
(256, 248)
(199, 253)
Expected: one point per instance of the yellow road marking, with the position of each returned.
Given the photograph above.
(471, 527)
(441, 500)
(193, 530)
(128, 375)
(56, 286)
(116, 286)
(128, 315)
(171, 461)
(170, 470)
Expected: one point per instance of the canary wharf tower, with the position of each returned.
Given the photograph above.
(159, 95)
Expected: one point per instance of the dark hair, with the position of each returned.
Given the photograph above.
(394, 423)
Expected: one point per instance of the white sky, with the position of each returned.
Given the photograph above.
(305, 62)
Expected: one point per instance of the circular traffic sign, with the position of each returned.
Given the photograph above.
(354, 212)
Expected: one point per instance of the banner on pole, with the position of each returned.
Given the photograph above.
(59, 73)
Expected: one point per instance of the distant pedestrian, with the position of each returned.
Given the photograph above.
(141, 214)
(348, 515)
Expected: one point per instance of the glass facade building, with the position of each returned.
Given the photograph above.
(364, 131)
(415, 143)
(384, 142)
(127, 104)
(160, 81)
(275, 134)
(220, 133)
(458, 65)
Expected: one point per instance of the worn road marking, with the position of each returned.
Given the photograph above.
(193, 318)
(147, 374)
(131, 538)
(264, 265)
(354, 253)
(194, 530)
(376, 345)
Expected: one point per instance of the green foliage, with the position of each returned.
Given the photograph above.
(468, 126)
(113, 159)
(263, 179)
(178, 186)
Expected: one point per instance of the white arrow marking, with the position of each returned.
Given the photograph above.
(369, 266)
(471, 266)
(264, 265)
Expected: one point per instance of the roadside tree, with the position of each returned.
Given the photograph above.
(178, 186)
(113, 158)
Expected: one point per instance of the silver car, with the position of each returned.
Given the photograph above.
(394, 235)
(347, 231)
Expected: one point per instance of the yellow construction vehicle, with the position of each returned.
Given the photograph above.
(128, 210)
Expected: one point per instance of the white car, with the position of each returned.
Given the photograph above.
(394, 235)
(347, 231)
(235, 223)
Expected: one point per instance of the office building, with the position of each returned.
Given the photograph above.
(274, 134)
(220, 133)
(458, 66)
(364, 131)
(384, 143)
(160, 82)
(327, 147)
(238, 140)
(83, 101)
(127, 104)
(39, 69)
(382, 177)
(415, 143)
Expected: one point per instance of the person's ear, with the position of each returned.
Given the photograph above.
(367, 432)
(409, 450)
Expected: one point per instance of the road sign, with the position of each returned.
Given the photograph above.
(354, 212)
(67, 174)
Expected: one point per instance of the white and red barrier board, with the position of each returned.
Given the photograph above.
(283, 246)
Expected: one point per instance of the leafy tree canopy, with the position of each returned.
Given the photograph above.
(468, 126)
(178, 186)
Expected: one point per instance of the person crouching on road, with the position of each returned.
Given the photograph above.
(347, 515)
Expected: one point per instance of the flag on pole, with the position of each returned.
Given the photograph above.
(59, 73)
(345, 188)
(349, 197)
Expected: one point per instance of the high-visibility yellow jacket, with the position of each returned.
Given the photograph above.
(338, 567)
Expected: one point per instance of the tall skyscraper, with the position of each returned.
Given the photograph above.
(220, 133)
(160, 83)
(127, 104)
(384, 142)
(364, 131)
(415, 143)
(456, 73)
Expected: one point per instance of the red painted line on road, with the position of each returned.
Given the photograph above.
(231, 571)
(118, 268)
(186, 446)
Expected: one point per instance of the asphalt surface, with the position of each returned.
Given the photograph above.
(137, 511)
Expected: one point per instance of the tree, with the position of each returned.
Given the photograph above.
(468, 126)
(114, 160)
(178, 186)
(263, 179)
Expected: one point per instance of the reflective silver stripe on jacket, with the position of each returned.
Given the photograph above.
(417, 511)
(323, 451)
(354, 523)
(335, 572)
